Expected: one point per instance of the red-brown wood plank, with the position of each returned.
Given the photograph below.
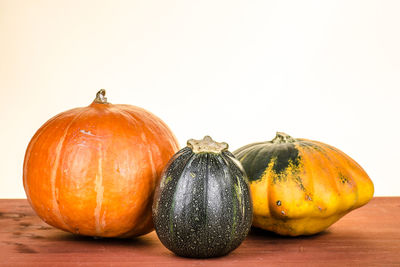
(367, 236)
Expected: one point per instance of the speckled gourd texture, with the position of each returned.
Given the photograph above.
(300, 186)
(202, 207)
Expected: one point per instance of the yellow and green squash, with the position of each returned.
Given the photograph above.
(301, 187)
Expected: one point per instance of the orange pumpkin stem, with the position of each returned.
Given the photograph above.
(282, 138)
(101, 97)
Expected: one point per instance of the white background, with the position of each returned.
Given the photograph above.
(237, 70)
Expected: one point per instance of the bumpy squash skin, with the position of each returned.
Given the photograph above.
(301, 187)
(202, 207)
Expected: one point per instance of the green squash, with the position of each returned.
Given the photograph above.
(202, 207)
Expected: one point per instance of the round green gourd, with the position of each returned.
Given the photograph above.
(202, 207)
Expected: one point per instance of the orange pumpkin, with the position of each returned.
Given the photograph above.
(93, 170)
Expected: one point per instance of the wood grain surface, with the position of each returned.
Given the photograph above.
(369, 236)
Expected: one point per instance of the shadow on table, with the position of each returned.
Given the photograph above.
(257, 232)
(141, 241)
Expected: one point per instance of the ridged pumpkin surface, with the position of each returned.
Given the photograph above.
(93, 170)
(301, 187)
(202, 207)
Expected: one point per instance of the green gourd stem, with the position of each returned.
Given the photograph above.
(282, 138)
(207, 145)
(101, 97)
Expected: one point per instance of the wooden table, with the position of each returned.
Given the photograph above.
(367, 236)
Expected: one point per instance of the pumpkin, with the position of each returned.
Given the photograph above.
(93, 170)
(202, 207)
(301, 187)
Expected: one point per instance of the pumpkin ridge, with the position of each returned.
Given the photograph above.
(340, 204)
(165, 129)
(53, 174)
(234, 209)
(291, 155)
(260, 153)
(149, 156)
(254, 176)
(114, 110)
(144, 138)
(350, 178)
(240, 151)
(228, 176)
(237, 200)
(33, 141)
(205, 186)
(99, 189)
(284, 155)
(309, 161)
(173, 199)
(245, 154)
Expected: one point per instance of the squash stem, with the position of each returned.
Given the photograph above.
(207, 145)
(282, 138)
(101, 97)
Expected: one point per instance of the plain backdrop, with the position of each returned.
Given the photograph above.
(236, 70)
